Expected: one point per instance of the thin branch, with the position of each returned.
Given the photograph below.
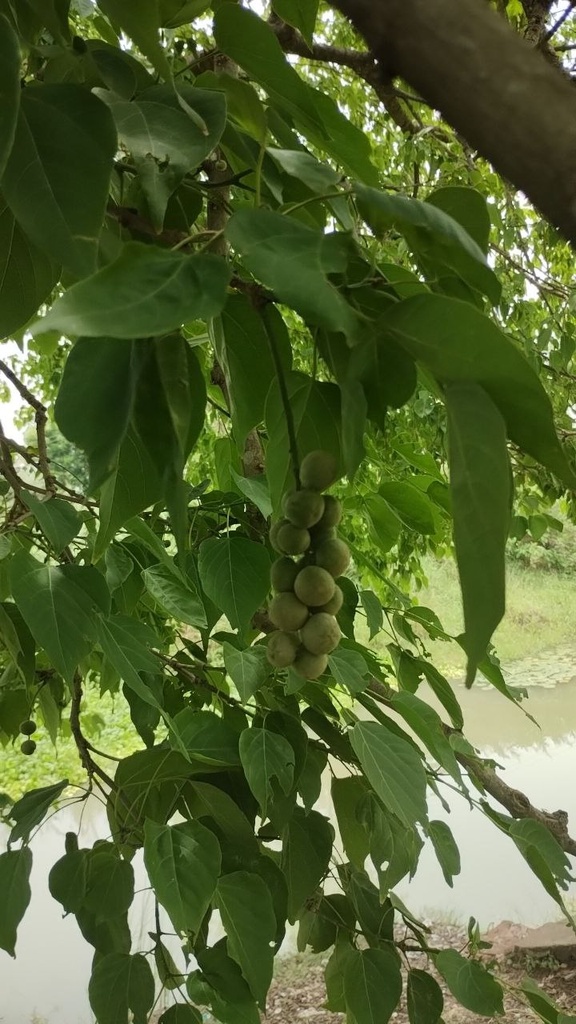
(41, 419)
(558, 24)
(83, 747)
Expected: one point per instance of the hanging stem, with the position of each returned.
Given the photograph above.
(285, 399)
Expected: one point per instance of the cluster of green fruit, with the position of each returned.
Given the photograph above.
(28, 727)
(307, 596)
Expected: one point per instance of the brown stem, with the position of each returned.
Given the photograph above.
(83, 747)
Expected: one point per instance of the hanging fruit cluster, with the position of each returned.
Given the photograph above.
(307, 597)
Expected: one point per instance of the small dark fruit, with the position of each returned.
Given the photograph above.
(28, 727)
(28, 747)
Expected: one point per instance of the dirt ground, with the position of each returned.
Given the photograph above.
(297, 994)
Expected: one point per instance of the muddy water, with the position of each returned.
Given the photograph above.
(47, 982)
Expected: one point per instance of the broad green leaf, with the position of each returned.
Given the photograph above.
(470, 983)
(431, 328)
(60, 202)
(15, 867)
(255, 488)
(111, 936)
(387, 374)
(347, 795)
(432, 235)
(335, 972)
(309, 783)
(384, 525)
(27, 274)
(58, 519)
(302, 165)
(466, 206)
(444, 692)
(411, 506)
(183, 389)
(206, 737)
(424, 998)
(480, 484)
(376, 918)
(18, 641)
(176, 596)
(32, 808)
(372, 985)
(163, 141)
(132, 486)
(446, 850)
(180, 1013)
(120, 983)
(527, 833)
(141, 23)
(243, 339)
(427, 725)
(121, 641)
(247, 914)
(374, 612)
(306, 850)
(542, 1004)
(234, 574)
(393, 769)
(204, 801)
(174, 13)
(183, 864)
(146, 291)
(248, 669)
(94, 400)
(10, 88)
(109, 885)
(316, 414)
(243, 103)
(354, 411)
(265, 756)
(67, 880)
(58, 605)
(295, 261)
(349, 669)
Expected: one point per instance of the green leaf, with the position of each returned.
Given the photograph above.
(480, 484)
(372, 985)
(387, 374)
(27, 274)
(527, 833)
(307, 842)
(10, 88)
(265, 755)
(431, 328)
(120, 983)
(424, 998)
(109, 885)
(183, 864)
(411, 506)
(125, 642)
(255, 488)
(446, 850)
(384, 525)
(58, 202)
(180, 1013)
(58, 519)
(67, 880)
(347, 795)
(431, 234)
(354, 410)
(374, 612)
(302, 165)
(58, 605)
(301, 14)
(427, 725)
(15, 867)
(247, 669)
(393, 769)
(234, 574)
(335, 972)
(141, 24)
(94, 400)
(295, 261)
(466, 206)
(349, 669)
(206, 737)
(32, 808)
(177, 597)
(133, 486)
(245, 906)
(146, 291)
(243, 350)
(470, 983)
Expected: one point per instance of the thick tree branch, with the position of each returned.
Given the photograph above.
(499, 93)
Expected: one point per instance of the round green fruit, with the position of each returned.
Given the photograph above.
(321, 634)
(335, 603)
(310, 666)
(303, 508)
(273, 534)
(283, 573)
(28, 747)
(281, 649)
(314, 586)
(292, 540)
(334, 556)
(28, 727)
(332, 513)
(287, 612)
(318, 470)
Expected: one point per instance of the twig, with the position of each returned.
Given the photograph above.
(41, 419)
(558, 23)
(82, 745)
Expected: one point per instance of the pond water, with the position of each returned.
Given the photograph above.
(47, 982)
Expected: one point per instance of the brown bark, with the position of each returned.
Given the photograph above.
(500, 94)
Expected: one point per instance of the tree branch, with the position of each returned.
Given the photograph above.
(497, 91)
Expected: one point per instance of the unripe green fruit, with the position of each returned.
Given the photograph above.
(281, 649)
(303, 508)
(292, 540)
(273, 534)
(314, 586)
(321, 634)
(335, 603)
(283, 573)
(334, 556)
(28, 747)
(287, 612)
(28, 727)
(318, 470)
(332, 513)
(310, 666)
